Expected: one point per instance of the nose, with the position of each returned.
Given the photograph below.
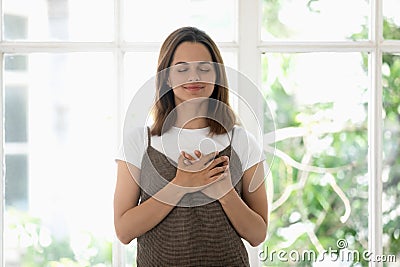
(193, 76)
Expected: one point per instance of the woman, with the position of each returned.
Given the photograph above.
(194, 212)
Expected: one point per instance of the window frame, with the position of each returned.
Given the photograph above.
(376, 45)
(118, 47)
(249, 49)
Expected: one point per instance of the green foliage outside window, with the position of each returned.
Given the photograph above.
(323, 193)
(39, 247)
(319, 197)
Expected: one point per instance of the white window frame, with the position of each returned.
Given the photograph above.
(375, 46)
(249, 48)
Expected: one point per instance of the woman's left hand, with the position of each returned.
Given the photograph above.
(222, 185)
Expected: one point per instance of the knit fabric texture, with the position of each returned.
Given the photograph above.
(197, 231)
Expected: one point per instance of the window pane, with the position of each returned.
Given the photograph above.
(391, 154)
(16, 114)
(140, 67)
(16, 181)
(61, 20)
(130, 253)
(319, 102)
(155, 19)
(314, 20)
(391, 23)
(69, 165)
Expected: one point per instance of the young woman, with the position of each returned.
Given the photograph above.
(189, 204)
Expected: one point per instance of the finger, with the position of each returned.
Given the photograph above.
(200, 164)
(184, 164)
(197, 153)
(207, 159)
(217, 170)
(187, 162)
(226, 162)
(217, 178)
(220, 160)
(181, 158)
(187, 155)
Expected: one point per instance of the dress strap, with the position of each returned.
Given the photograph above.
(231, 138)
(148, 136)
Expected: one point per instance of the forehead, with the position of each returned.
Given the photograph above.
(188, 51)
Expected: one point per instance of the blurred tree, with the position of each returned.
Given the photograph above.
(309, 204)
(42, 249)
(391, 139)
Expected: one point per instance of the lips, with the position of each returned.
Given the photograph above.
(194, 87)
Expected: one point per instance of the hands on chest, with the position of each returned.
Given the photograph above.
(207, 173)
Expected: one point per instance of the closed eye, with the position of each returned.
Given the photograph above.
(205, 69)
(182, 69)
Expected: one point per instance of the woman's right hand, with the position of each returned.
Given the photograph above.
(196, 174)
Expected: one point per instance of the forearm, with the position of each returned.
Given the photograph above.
(142, 218)
(250, 225)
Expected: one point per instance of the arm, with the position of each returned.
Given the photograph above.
(250, 215)
(130, 219)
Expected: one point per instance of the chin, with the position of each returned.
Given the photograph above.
(185, 95)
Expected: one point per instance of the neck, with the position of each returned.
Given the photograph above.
(192, 114)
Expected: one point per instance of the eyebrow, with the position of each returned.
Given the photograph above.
(181, 62)
(187, 63)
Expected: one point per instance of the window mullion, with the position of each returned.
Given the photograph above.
(2, 185)
(249, 57)
(375, 132)
(250, 65)
(119, 251)
(391, 46)
(32, 47)
(2, 182)
(304, 47)
(1, 21)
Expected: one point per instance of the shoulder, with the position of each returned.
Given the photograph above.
(249, 150)
(135, 136)
(240, 134)
(133, 145)
(135, 133)
(244, 139)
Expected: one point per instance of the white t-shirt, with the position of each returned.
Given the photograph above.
(175, 140)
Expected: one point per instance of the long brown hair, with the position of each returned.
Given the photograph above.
(221, 117)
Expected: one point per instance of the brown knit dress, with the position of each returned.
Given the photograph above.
(192, 234)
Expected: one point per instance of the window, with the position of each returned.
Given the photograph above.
(329, 73)
(69, 72)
